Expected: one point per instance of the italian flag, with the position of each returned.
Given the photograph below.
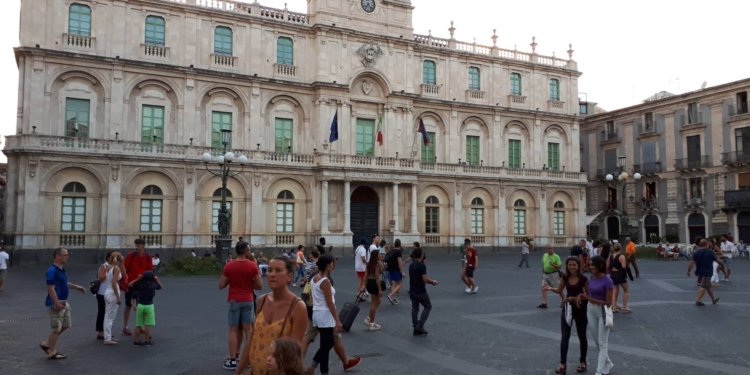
(380, 130)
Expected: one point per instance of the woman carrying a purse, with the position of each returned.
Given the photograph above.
(598, 293)
(374, 286)
(574, 284)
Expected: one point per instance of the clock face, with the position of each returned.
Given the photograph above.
(368, 5)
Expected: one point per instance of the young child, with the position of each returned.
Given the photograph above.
(145, 287)
(285, 358)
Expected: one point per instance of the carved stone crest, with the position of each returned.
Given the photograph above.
(369, 52)
(367, 87)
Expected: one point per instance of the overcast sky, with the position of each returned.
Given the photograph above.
(626, 51)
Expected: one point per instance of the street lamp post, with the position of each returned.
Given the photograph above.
(224, 241)
(622, 213)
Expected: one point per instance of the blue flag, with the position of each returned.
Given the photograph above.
(334, 129)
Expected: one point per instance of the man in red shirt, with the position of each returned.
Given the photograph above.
(472, 261)
(136, 264)
(242, 276)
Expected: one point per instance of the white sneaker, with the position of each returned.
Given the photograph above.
(474, 291)
(367, 321)
(607, 368)
(373, 327)
(467, 290)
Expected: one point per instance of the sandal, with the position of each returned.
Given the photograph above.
(57, 356)
(374, 327)
(699, 303)
(561, 369)
(626, 309)
(542, 306)
(715, 301)
(581, 368)
(615, 310)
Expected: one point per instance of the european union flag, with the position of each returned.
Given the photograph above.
(334, 129)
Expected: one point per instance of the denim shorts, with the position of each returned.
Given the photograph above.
(727, 263)
(241, 312)
(396, 276)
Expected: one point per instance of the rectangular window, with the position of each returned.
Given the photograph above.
(365, 137)
(215, 215)
(694, 150)
(559, 223)
(223, 41)
(611, 130)
(79, 20)
(514, 153)
(474, 78)
(155, 30)
(649, 121)
(610, 161)
(151, 210)
(742, 142)
(554, 89)
(696, 188)
(152, 124)
(693, 113)
(283, 135)
(220, 120)
(515, 84)
(77, 114)
(431, 220)
(428, 73)
(477, 221)
(285, 51)
(428, 152)
(583, 109)
(73, 214)
(285, 217)
(472, 150)
(553, 156)
(519, 222)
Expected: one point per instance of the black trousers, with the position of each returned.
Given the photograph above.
(416, 300)
(100, 307)
(326, 344)
(580, 320)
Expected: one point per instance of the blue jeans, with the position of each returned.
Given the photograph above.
(241, 312)
(300, 274)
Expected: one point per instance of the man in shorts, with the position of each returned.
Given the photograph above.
(726, 256)
(395, 267)
(467, 273)
(136, 264)
(57, 304)
(551, 265)
(361, 256)
(703, 258)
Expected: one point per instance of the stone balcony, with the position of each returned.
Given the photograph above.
(108, 148)
(285, 71)
(430, 90)
(223, 61)
(151, 51)
(79, 42)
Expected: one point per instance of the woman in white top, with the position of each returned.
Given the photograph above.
(324, 317)
(101, 306)
(111, 295)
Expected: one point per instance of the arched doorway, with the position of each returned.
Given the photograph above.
(364, 213)
(613, 228)
(743, 227)
(651, 228)
(696, 226)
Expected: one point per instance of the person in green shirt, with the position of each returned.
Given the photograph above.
(551, 265)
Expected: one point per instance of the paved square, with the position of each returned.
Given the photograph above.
(497, 331)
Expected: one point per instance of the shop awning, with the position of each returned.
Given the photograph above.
(591, 218)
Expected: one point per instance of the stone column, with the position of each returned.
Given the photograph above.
(395, 207)
(347, 208)
(414, 212)
(324, 207)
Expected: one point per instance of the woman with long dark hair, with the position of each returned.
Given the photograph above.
(374, 287)
(617, 266)
(325, 317)
(599, 293)
(574, 284)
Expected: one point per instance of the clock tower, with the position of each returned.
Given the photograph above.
(385, 17)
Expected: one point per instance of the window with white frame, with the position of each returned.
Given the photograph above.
(559, 219)
(285, 212)
(73, 208)
(519, 217)
(477, 216)
(432, 215)
(151, 209)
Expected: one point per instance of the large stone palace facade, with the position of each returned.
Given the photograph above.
(118, 100)
(693, 152)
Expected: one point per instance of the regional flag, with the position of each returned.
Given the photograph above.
(334, 129)
(423, 130)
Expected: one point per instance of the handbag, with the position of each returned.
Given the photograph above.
(94, 286)
(568, 313)
(609, 319)
(307, 294)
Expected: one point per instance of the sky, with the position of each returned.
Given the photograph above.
(627, 52)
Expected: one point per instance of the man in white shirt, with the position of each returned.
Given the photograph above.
(375, 242)
(726, 251)
(524, 254)
(361, 256)
(741, 248)
(4, 258)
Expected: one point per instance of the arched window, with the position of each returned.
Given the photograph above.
(559, 219)
(515, 84)
(285, 212)
(155, 30)
(477, 216)
(285, 51)
(428, 72)
(554, 89)
(474, 78)
(223, 39)
(151, 209)
(519, 218)
(432, 215)
(216, 205)
(73, 208)
(79, 20)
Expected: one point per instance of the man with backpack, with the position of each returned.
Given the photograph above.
(136, 264)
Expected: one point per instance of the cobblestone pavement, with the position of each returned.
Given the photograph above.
(497, 331)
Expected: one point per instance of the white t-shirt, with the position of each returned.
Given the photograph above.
(4, 260)
(155, 261)
(524, 248)
(726, 249)
(359, 265)
(593, 252)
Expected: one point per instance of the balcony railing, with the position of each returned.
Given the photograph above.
(474, 95)
(611, 136)
(517, 99)
(79, 41)
(609, 205)
(737, 198)
(647, 168)
(223, 61)
(692, 163)
(693, 202)
(555, 105)
(154, 51)
(601, 174)
(430, 90)
(284, 70)
(646, 128)
(742, 108)
(649, 203)
(735, 158)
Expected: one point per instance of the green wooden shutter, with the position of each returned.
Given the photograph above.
(223, 41)
(428, 73)
(155, 30)
(554, 89)
(474, 78)
(515, 84)
(472, 150)
(283, 135)
(284, 51)
(365, 137)
(553, 156)
(152, 124)
(428, 152)
(514, 153)
(77, 112)
(220, 120)
(79, 20)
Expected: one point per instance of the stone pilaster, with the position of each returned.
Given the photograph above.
(672, 197)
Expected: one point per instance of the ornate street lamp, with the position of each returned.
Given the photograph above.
(224, 241)
(622, 179)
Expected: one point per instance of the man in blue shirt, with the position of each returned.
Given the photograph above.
(703, 258)
(58, 307)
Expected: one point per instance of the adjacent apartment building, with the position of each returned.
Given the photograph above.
(118, 100)
(693, 153)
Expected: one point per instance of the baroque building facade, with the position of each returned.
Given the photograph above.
(118, 100)
(693, 152)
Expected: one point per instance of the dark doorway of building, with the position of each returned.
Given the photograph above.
(594, 232)
(364, 213)
(743, 227)
(613, 228)
(651, 228)
(696, 226)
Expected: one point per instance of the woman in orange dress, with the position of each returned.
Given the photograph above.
(277, 314)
